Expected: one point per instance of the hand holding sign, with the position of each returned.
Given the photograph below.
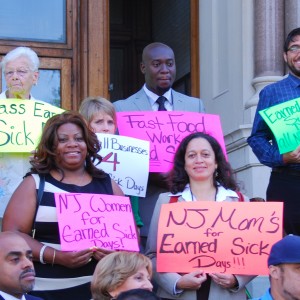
(76, 259)
(191, 281)
(292, 157)
(99, 253)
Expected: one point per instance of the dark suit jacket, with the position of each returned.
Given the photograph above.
(28, 297)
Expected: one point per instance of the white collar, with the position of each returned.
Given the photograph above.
(222, 194)
(10, 297)
(153, 97)
(4, 94)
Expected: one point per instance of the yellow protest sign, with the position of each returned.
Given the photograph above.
(21, 123)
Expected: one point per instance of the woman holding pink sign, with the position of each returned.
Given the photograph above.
(62, 163)
(200, 173)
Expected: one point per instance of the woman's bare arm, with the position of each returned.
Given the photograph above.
(18, 217)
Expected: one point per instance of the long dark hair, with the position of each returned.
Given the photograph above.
(178, 178)
(44, 158)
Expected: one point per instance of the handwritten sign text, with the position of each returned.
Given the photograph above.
(87, 220)
(165, 130)
(126, 160)
(284, 121)
(225, 237)
(21, 123)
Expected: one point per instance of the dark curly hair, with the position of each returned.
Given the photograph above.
(44, 159)
(178, 178)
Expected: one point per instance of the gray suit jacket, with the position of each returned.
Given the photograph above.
(139, 102)
(166, 281)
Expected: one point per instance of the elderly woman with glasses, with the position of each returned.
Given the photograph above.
(20, 69)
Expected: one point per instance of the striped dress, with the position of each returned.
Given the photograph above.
(59, 282)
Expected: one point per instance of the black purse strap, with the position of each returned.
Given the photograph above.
(39, 196)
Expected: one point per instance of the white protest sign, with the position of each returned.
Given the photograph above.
(126, 160)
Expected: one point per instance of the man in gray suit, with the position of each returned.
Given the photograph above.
(158, 66)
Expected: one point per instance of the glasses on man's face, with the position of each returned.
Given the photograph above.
(294, 49)
(19, 72)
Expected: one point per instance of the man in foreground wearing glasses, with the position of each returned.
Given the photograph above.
(20, 69)
(284, 180)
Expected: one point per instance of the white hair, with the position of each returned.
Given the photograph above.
(19, 52)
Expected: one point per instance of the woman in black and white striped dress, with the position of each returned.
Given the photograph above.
(64, 157)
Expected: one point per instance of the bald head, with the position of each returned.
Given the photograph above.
(158, 66)
(16, 268)
(159, 46)
(7, 235)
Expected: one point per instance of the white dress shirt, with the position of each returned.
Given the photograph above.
(153, 97)
(10, 297)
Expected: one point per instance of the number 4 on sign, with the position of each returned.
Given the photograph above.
(114, 161)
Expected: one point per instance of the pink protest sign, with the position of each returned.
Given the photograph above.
(165, 130)
(87, 220)
(223, 237)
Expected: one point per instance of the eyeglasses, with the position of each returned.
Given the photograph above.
(20, 73)
(294, 49)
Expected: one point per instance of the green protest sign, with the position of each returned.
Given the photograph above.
(21, 123)
(284, 121)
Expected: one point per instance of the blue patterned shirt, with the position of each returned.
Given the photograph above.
(262, 140)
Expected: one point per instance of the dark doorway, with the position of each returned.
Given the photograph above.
(136, 23)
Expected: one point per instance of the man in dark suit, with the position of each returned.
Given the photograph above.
(17, 274)
(159, 68)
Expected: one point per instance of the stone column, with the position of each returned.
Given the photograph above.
(292, 15)
(268, 45)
